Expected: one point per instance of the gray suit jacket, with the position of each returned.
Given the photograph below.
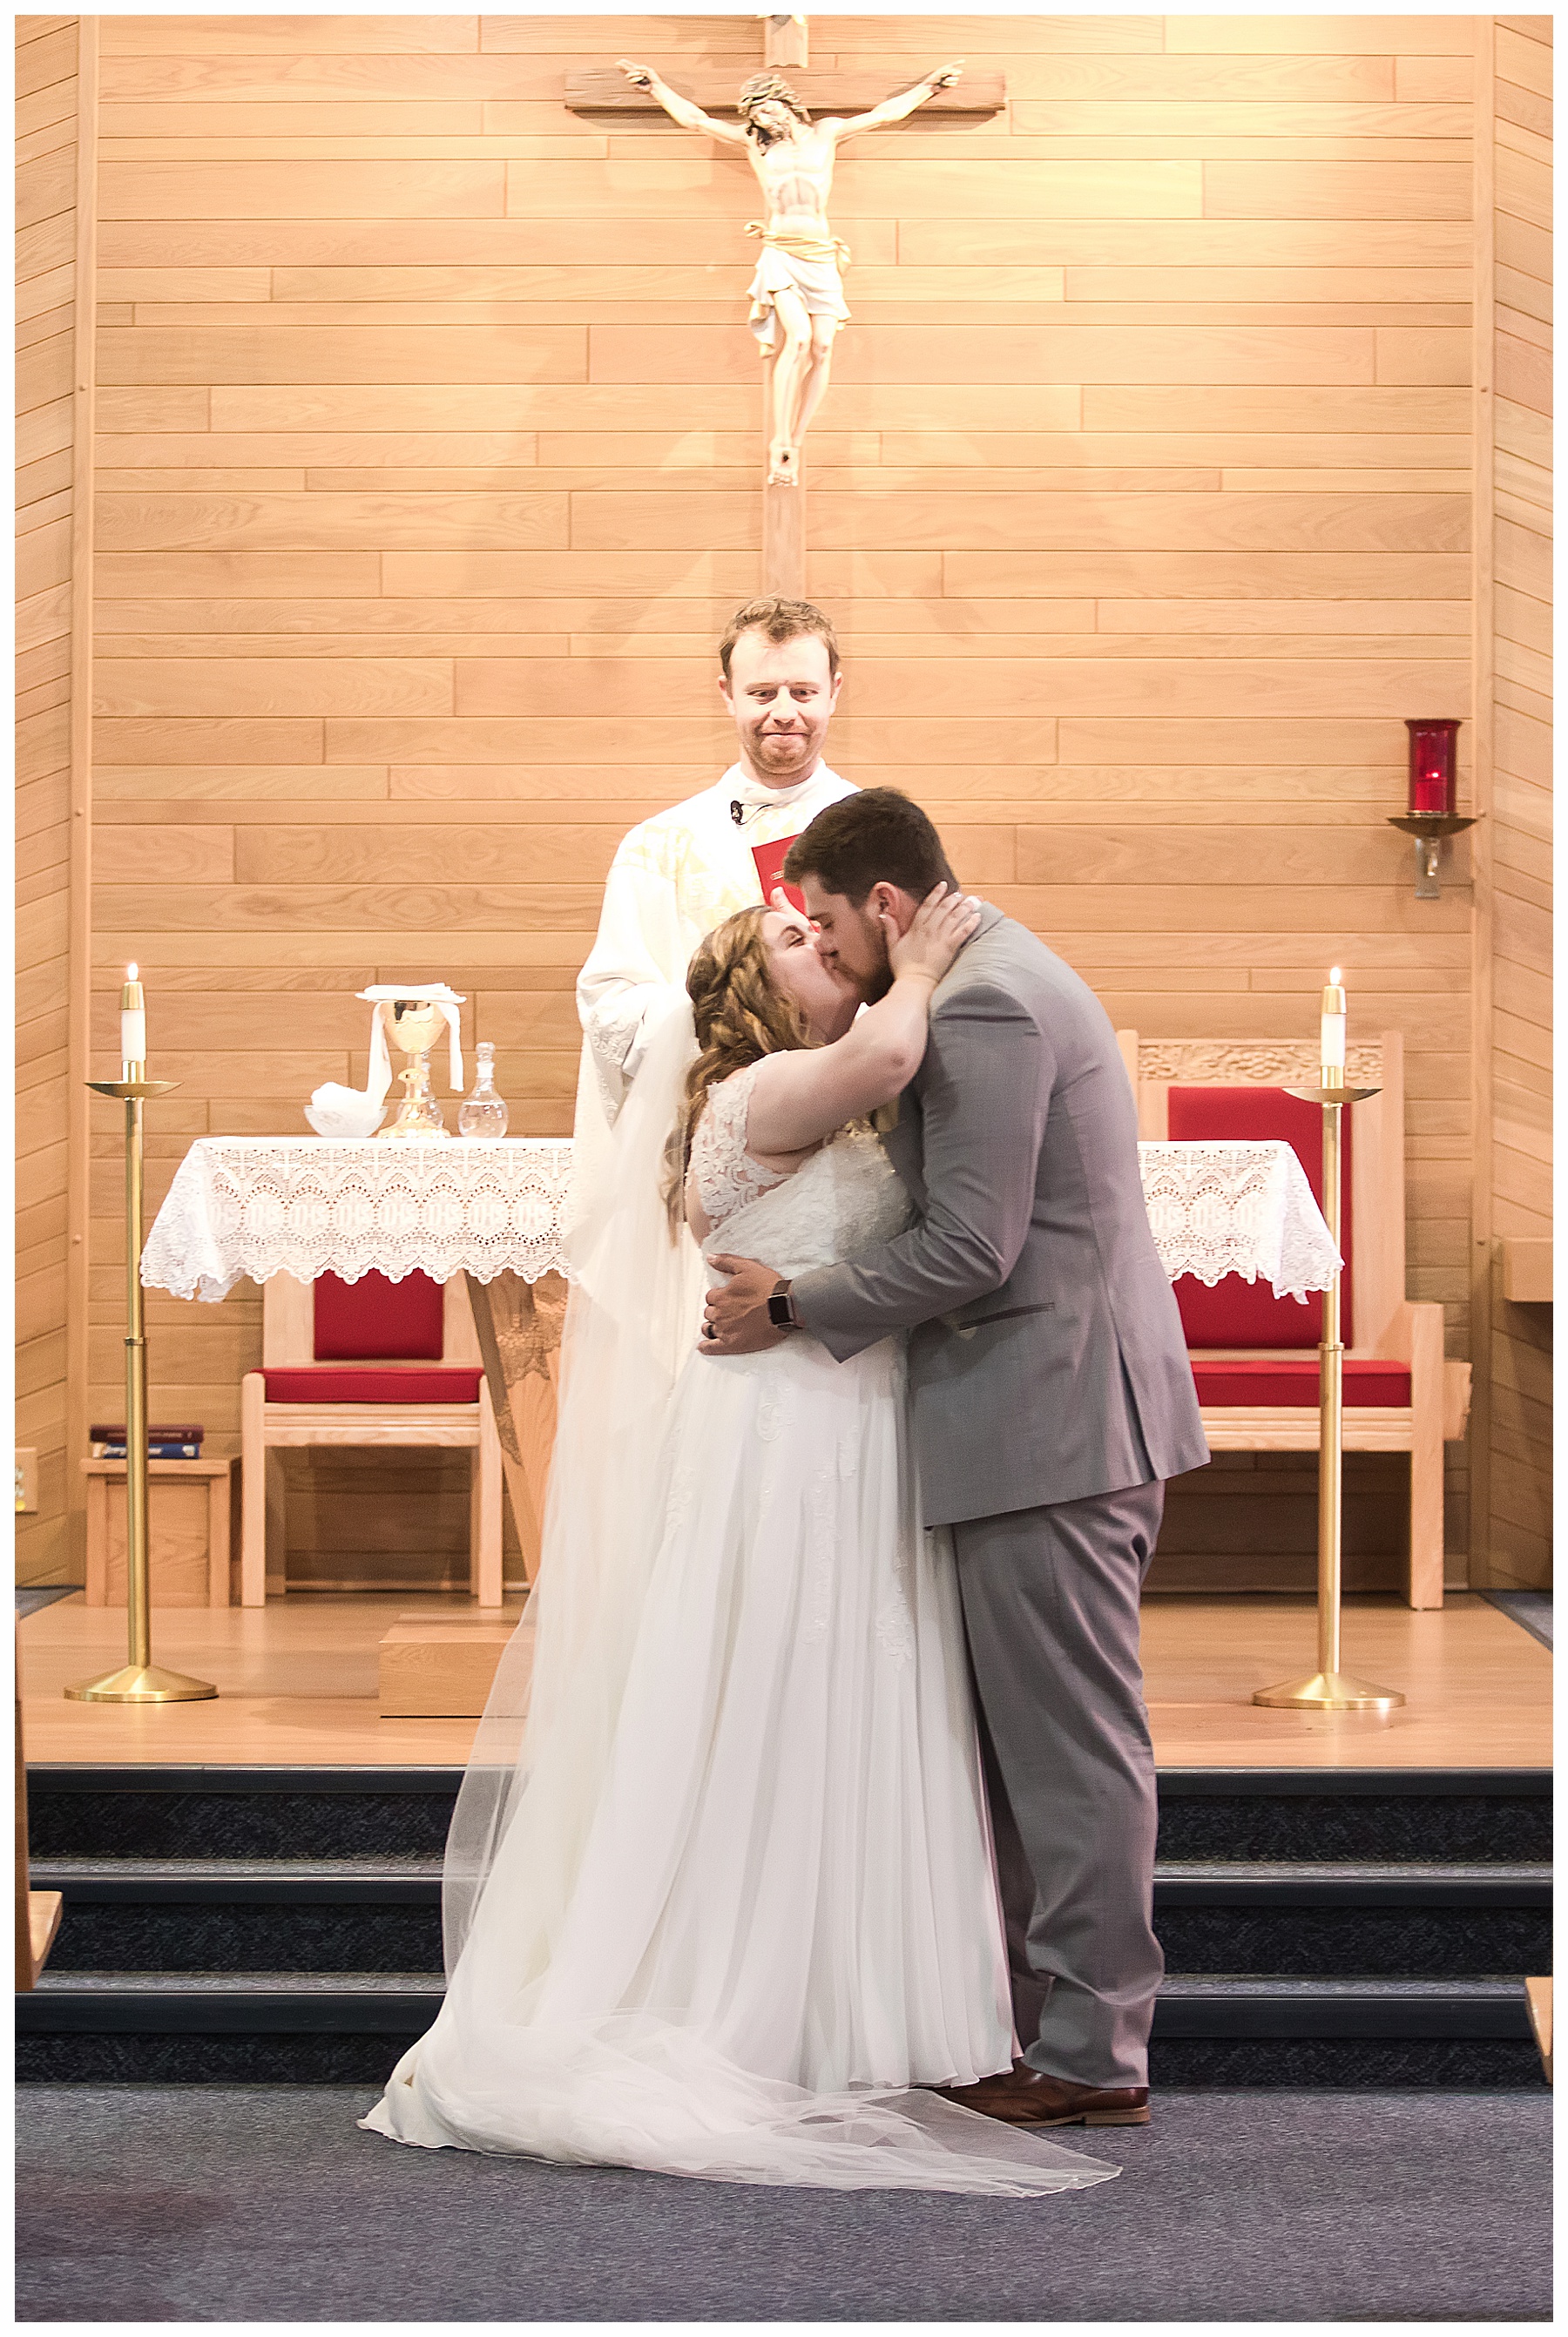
(1046, 1359)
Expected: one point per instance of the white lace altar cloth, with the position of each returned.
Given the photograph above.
(1237, 1208)
(266, 1205)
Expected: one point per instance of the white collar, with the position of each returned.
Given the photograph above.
(737, 782)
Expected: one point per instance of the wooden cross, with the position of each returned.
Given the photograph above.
(603, 91)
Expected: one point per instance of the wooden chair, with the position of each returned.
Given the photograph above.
(366, 1363)
(1254, 1356)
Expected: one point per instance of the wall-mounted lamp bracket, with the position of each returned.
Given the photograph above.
(1429, 828)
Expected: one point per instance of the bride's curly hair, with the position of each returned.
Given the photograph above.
(740, 1015)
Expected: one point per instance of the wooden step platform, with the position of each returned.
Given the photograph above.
(439, 1668)
(1538, 1995)
(299, 1682)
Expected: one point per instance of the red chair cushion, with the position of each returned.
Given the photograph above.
(324, 1384)
(1368, 1385)
(1237, 1313)
(374, 1319)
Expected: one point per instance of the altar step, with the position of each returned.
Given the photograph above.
(285, 1925)
(317, 2028)
(324, 1916)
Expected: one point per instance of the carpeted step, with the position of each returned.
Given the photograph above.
(250, 1881)
(176, 1811)
(169, 1810)
(328, 1915)
(405, 2003)
(1481, 1815)
(1441, 1919)
(1321, 1928)
(383, 1914)
(417, 1881)
(1226, 2030)
(281, 2027)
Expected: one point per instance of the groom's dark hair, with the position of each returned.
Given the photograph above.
(876, 838)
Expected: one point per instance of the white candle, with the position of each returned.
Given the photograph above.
(132, 1021)
(1331, 1049)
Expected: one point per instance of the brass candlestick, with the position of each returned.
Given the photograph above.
(1329, 1689)
(139, 1680)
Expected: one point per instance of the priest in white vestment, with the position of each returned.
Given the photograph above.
(677, 874)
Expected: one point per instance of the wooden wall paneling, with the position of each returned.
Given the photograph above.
(1512, 1506)
(78, 988)
(427, 422)
(54, 91)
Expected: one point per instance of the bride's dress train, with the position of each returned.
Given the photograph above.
(742, 1901)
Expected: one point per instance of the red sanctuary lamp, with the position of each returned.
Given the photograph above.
(1433, 753)
(1431, 817)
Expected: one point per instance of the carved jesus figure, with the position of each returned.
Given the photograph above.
(798, 291)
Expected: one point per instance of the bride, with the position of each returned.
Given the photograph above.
(719, 1892)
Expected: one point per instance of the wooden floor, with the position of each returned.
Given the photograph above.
(297, 1684)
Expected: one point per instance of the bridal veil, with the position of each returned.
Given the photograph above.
(630, 1323)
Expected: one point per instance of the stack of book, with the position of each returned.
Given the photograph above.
(162, 1444)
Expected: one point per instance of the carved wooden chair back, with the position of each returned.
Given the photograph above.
(1373, 1194)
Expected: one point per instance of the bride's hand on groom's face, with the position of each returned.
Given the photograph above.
(735, 1321)
(941, 926)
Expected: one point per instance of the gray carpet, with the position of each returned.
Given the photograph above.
(266, 2204)
(1531, 1609)
(31, 1596)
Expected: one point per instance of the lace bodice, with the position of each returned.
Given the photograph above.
(844, 1199)
(725, 1175)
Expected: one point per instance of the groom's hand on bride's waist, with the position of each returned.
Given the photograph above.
(736, 1320)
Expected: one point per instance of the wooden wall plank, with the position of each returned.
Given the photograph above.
(244, 354)
(140, 36)
(995, 354)
(178, 190)
(202, 685)
(1307, 35)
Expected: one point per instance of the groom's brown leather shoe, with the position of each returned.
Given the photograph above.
(1025, 2097)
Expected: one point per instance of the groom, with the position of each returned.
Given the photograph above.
(1051, 1398)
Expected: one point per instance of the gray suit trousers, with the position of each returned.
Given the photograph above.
(1051, 1609)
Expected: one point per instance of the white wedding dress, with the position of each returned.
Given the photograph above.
(742, 1901)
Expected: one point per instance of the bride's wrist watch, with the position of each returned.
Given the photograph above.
(782, 1309)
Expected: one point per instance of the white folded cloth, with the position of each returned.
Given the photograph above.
(432, 994)
(337, 1111)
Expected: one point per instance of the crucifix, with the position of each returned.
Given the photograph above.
(797, 292)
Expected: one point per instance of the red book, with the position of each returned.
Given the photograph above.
(770, 859)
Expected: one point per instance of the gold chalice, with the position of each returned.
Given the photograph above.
(412, 1025)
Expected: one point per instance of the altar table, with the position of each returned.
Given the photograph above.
(496, 1211)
